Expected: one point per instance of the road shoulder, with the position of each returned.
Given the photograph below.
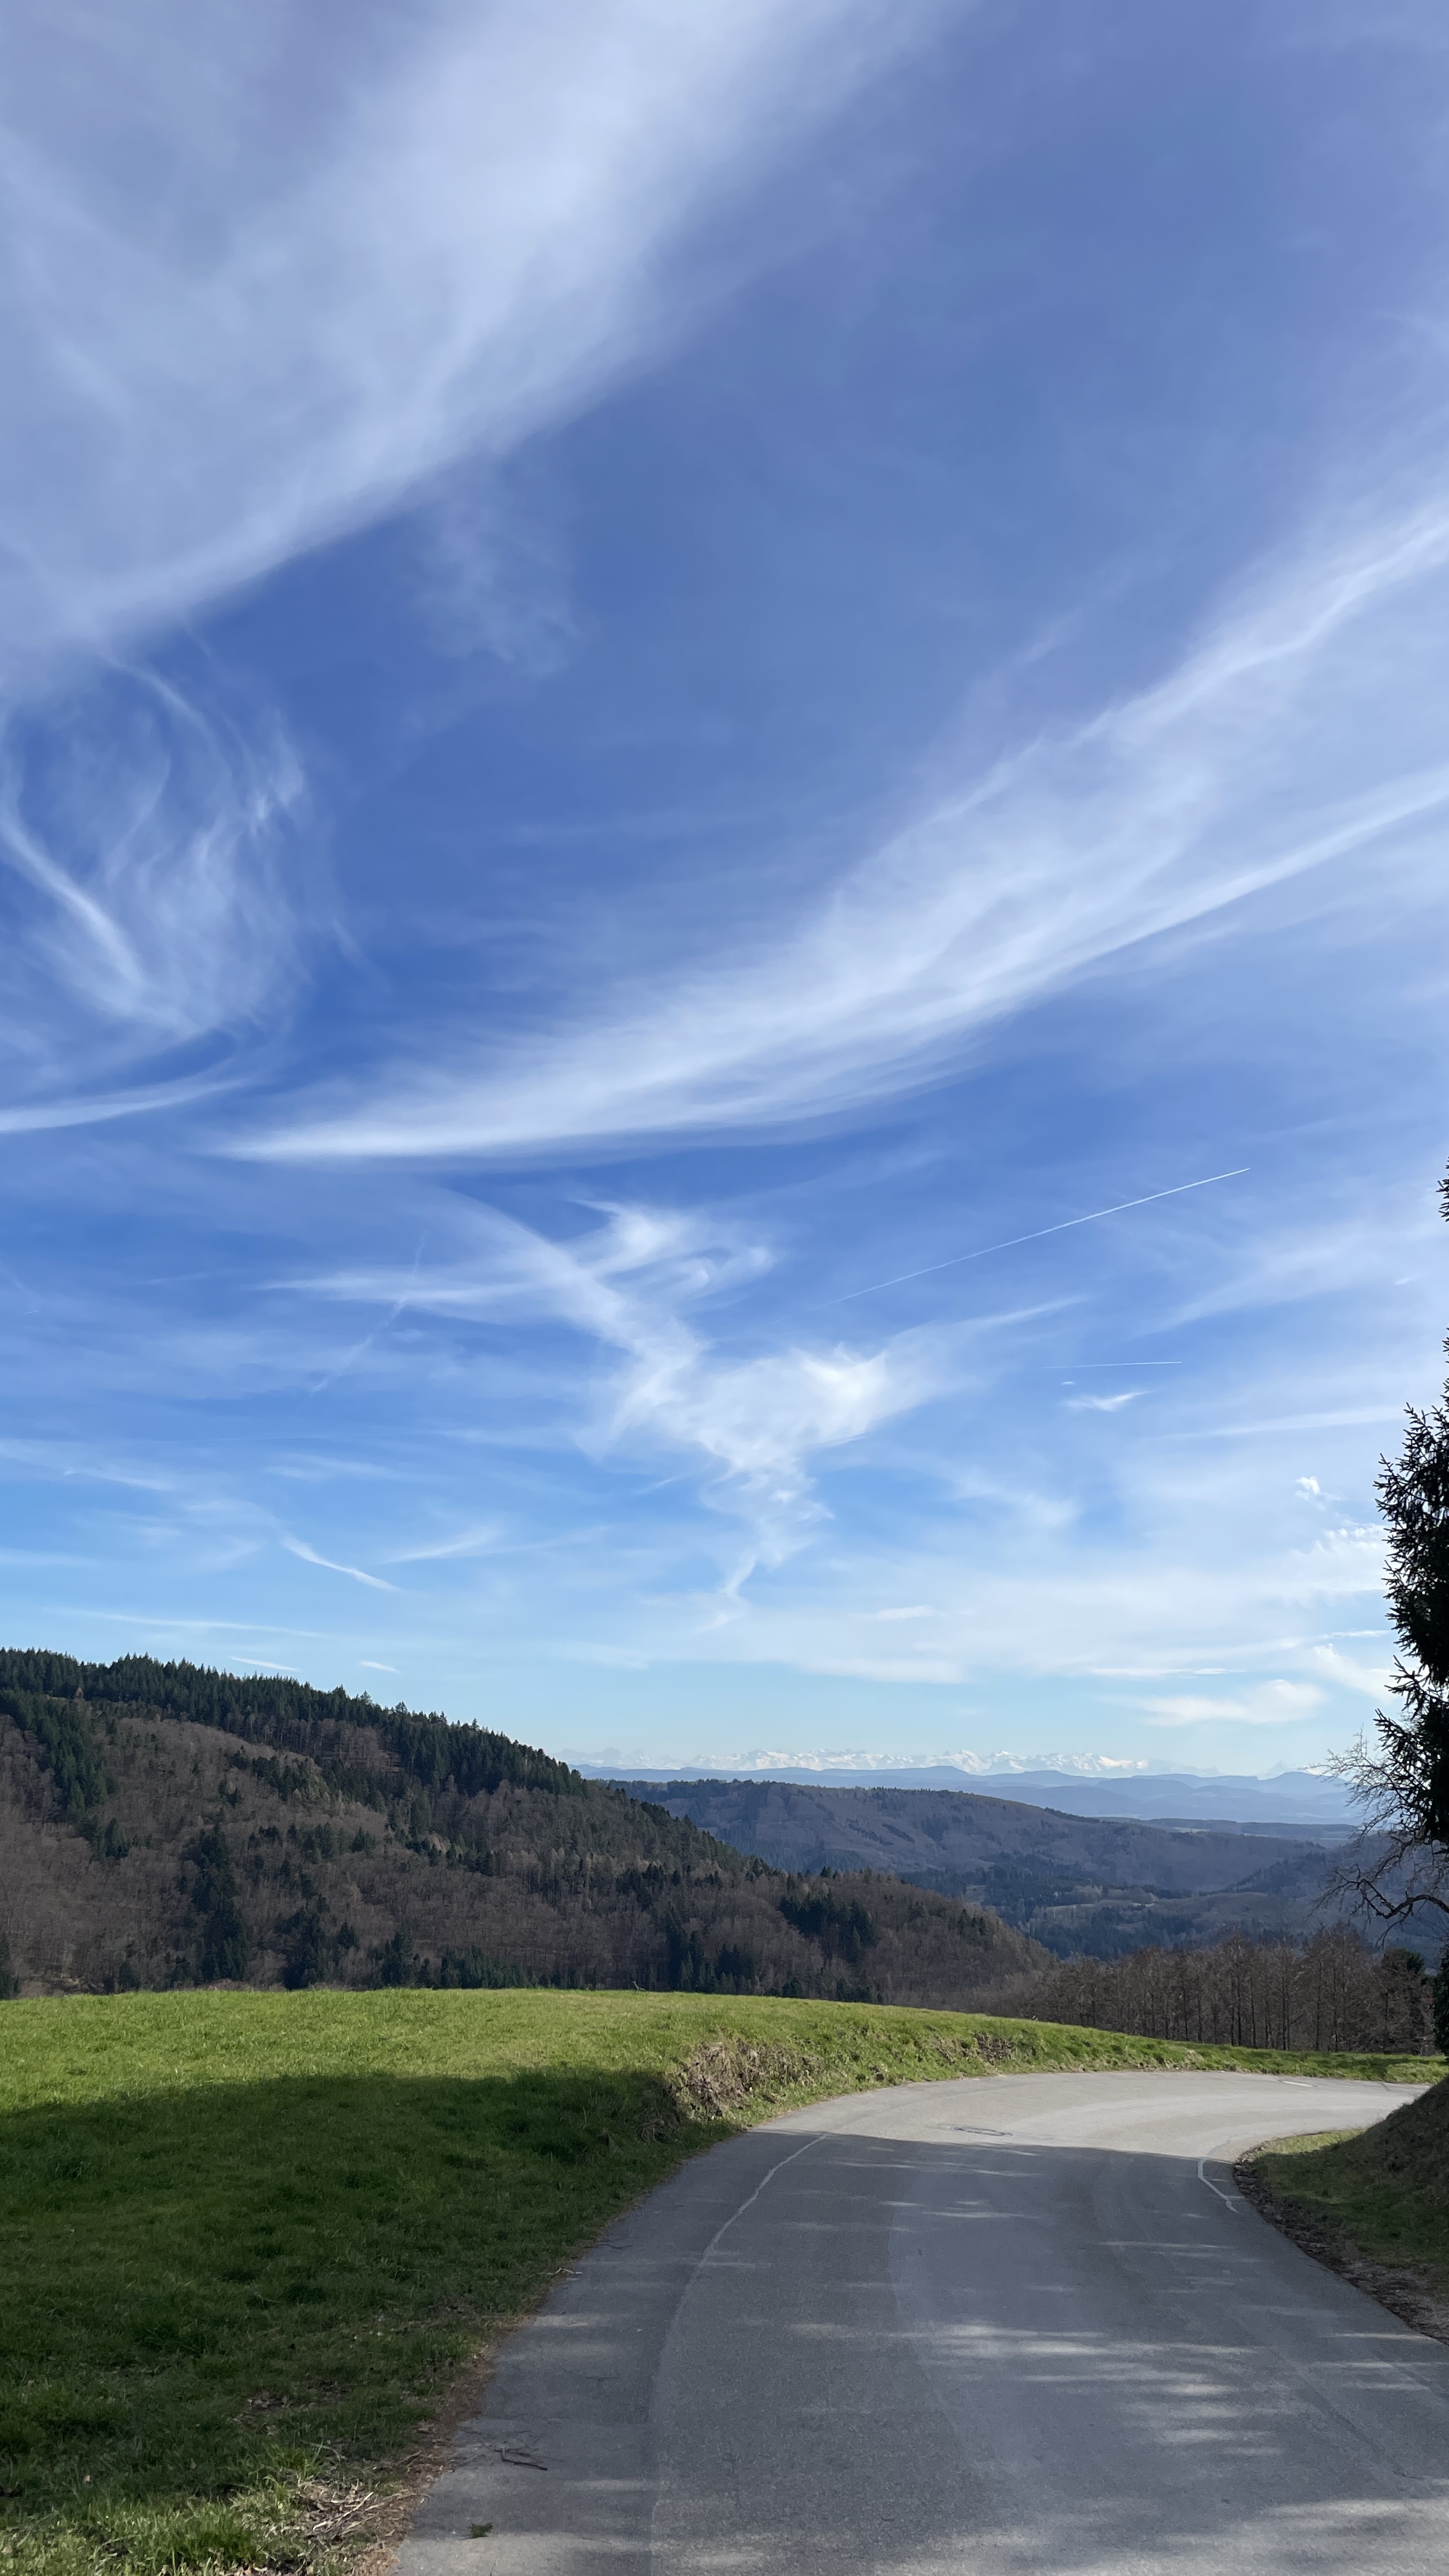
(1409, 2292)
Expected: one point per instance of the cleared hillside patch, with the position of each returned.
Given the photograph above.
(255, 2239)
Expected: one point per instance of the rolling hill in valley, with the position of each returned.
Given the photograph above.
(1080, 1885)
(1299, 1804)
(165, 1825)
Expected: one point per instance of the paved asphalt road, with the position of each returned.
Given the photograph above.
(1013, 2326)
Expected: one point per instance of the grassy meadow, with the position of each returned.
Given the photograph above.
(1383, 2193)
(254, 2240)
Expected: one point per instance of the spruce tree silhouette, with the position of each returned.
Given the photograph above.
(1403, 1780)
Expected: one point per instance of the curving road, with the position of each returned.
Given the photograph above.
(1016, 2327)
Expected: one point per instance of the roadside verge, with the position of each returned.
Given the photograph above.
(1372, 2205)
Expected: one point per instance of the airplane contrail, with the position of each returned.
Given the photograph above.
(1064, 1228)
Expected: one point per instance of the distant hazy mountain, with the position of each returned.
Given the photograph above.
(1301, 1800)
(934, 1832)
(1081, 1885)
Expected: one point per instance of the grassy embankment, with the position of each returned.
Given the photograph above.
(252, 2241)
(1382, 2196)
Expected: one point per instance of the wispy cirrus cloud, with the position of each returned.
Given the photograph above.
(1185, 1621)
(1301, 728)
(1270, 1703)
(480, 1540)
(1348, 1672)
(156, 894)
(270, 276)
(309, 1556)
(754, 1424)
(274, 273)
(267, 284)
(52, 1110)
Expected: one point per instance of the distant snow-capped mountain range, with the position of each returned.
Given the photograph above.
(1080, 1784)
(1093, 1766)
(1080, 1766)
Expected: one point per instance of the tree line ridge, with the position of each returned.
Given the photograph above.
(165, 1823)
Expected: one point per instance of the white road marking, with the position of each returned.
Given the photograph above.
(1229, 2198)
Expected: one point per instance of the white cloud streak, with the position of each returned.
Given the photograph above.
(755, 1424)
(155, 895)
(270, 272)
(1270, 1703)
(309, 1556)
(1169, 1601)
(1304, 727)
(1064, 1225)
(1372, 1680)
(35, 1117)
(274, 267)
(480, 1541)
(271, 275)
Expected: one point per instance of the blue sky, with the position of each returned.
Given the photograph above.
(677, 681)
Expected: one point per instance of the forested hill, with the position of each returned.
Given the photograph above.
(165, 1824)
(273, 1709)
(950, 1836)
(1099, 1885)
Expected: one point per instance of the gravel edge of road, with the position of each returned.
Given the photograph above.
(1406, 2293)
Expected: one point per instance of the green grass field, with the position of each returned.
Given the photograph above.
(252, 2240)
(1384, 2193)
